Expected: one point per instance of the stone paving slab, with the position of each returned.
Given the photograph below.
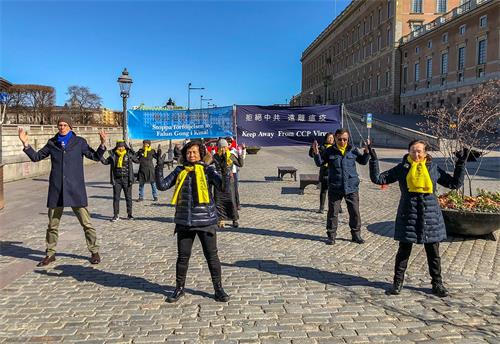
(286, 285)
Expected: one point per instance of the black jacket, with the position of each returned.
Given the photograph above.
(419, 218)
(127, 166)
(188, 212)
(323, 169)
(342, 174)
(66, 181)
(146, 172)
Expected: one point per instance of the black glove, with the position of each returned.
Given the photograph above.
(373, 154)
(463, 155)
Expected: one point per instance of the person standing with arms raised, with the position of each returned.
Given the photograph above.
(343, 182)
(66, 183)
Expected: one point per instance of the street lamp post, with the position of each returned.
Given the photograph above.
(189, 93)
(125, 82)
(202, 100)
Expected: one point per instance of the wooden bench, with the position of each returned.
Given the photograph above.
(308, 179)
(282, 170)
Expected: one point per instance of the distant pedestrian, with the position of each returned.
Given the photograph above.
(240, 151)
(121, 174)
(146, 173)
(66, 183)
(419, 219)
(195, 214)
(323, 170)
(225, 198)
(343, 182)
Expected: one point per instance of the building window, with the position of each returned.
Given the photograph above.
(378, 82)
(416, 6)
(460, 77)
(405, 74)
(483, 21)
(417, 50)
(461, 58)
(379, 15)
(441, 6)
(461, 30)
(480, 72)
(417, 72)
(389, 9)
(387, 79)
(369, 85)
(444, 38)
(444, 63)
(481, 51)
(389, 37)
(379, 42)
(428, 69)
(429, 44)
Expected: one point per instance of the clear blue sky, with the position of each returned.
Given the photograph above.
(242, 52)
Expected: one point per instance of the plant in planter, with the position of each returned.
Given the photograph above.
(253, 149)
(471, 126)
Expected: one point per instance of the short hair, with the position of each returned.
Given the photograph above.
(190, 144)
(342, 131)
(328, 134)
(414, 142)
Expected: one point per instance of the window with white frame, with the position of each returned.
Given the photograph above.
(444, 63)
(481, 51)
(417, 50)
(461, 30)
(429, 44)
(416, 6)
(428, 69)
(417, 72)
(389, 9)
(441, 6)
(461, 58)
(444, 38)
(483, 21)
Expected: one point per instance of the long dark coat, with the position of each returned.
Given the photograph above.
(342, 174)
(146, 172)
(188, 212)
(128, 165)
(419, 219)
(225, 198)
(66, 181)
(323, 170)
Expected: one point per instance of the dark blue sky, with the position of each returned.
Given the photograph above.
(242, 52)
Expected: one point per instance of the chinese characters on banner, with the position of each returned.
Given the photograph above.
(284, 126)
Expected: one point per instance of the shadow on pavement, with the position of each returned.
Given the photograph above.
(384, 228)
(12, 249)
(114, 280)
(305, 272)
(291, 191)
(275, 207)
(270, 232)
(272, 179)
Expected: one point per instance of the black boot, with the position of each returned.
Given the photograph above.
(438, 289)
(356, 237)
(396, 287)
(176, 294)
(220, 294)
(331, 238)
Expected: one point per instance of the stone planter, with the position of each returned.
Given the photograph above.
(253, 150)
(468, 223)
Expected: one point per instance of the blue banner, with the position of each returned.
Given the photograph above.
(284, 126)
(164, 124)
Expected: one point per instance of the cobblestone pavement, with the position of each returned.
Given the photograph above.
(286, 285)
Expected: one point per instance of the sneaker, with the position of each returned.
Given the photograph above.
(236, 224)
(140, 199)
(130, 217)
(155, 199)
(115, 218)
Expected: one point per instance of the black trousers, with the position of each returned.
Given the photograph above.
(433, 260)
(323, 192)
(236, 192)
(119, 185)
(185, 239)
(334, 202)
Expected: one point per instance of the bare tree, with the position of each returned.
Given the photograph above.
(35, 100)
(473, 125)
(83, 103)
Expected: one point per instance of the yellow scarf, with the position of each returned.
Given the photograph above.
(228, 156)
(342, 149)
(146, 151)
(418, 178)
(120, 154)
(327, 145)
(201, 183)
